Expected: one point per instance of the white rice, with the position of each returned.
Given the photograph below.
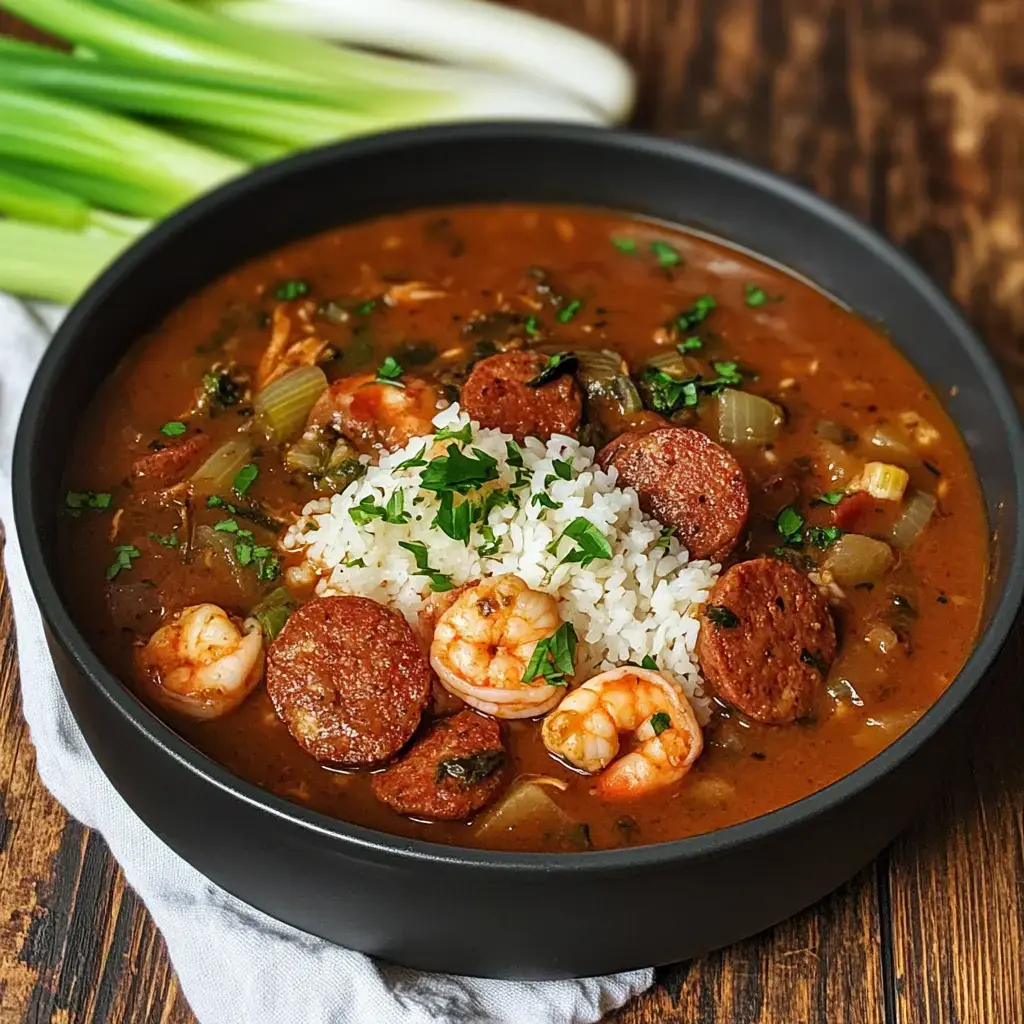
(640, 602)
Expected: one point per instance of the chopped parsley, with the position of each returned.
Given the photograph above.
(415, 462)
(562, 468)
(729, 376)
(591, 543)
(789, 524)
(248, 552)
(491, 544)
(289, 291)
(814, 659)
(220, 390)
(394, 511)
(463, 434)
(554, 657)
(624, 244)
(721, 617)
(250, 512)
(439, 582)
(666, 536)
(175, 428)
(558, 364)
(76, 501)
(690, 344)
(513, 454)
(666, 393)
(648, 663)
(696, 314)
(354, 563)
(471, 769)
(123, 555)
(540, 498)
(457, 471)
(665, 255)
(366, 510)
(823, 536)
(829, 498)
(389, 371)
(660, 721)
(169, 540)
(454, 520)
(245, 478)
(756, 296)
(366, 308)
(567, 313)
(531, 326)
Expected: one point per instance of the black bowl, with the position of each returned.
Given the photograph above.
(467, 911)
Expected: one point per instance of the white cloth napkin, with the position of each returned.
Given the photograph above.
(236, 965)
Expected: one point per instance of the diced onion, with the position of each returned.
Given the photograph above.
(894, 447)
(829, 430)
(881, 638)
(746, 419)
(915, 516)
(883, 481)
(218, 472)
(836, 464)
(858, 559)
(524, 803)
(283, 405)
(672, 362)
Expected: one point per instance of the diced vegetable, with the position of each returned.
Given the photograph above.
(673, 362)
(273, 612)
(282, 406)
(883, 727)
(744, 418)
(881, 638)
(914, 517)
(891, 444)
(856, 559)
(882, 481)
(525, 806)
(308, 455)
(921, 432)
(217, 474)
(830, 430)
(835, 463)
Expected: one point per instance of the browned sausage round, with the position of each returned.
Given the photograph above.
(686, 481)
(450, 773)
(497, 395)
(349, 679)
(766, 641)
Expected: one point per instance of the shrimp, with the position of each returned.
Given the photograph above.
(483, 644)
(200, 663)
(584, 730)
(378, 415)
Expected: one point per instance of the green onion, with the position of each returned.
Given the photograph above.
(25, 199)
(231, 143)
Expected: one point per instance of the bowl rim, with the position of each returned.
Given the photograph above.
(384, 847)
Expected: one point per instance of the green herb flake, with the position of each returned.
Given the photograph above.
(757, 296)
(660, 721)
(790, 526)
(721, 617)
(648, 663)
(540, 498)
(624, 244)
(454, 520)
(245, 478)
(394, 511)
(513, 454)
(76, 501)
(690, 344)
(666, 536)
(823, 536)
(666, 393)
(123, 555)
(470, 770)
(389, 371)
(697, 313)
(366, 510)
(829, 498)
(562, 468)
(227, 526)
(289, 291)
(567, 313)
(415, 462)
(366, 308)
(815, 660)
(463, 434)
(591, 543)
(457, 471)
(557, 365)
(666, 256)
(175, 428)
(554, 657)
(532, 326)
(491, 544)
(439, 582)
(169, 540)
(354, 563)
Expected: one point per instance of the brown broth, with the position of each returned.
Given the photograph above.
(845, 371)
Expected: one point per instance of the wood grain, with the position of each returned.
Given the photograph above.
(910, 113)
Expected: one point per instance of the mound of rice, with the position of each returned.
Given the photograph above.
(640, 602)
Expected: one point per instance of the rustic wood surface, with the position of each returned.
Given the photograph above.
(910, 113)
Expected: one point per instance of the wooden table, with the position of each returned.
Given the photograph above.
(910, 113)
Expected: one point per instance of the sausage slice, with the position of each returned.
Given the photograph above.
(766, 641)
(449, 774)
(687, 481)
(497, 394)
(349, 679)
(167, 465)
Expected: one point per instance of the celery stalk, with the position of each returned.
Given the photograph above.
(26, 199)
(246, 147)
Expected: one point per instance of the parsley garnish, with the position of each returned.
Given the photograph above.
(592, 543)
(439, 582)
(758, 296)
(562, 468)
(173, 429)
(354, 563)
(366, 510)
(245, 478)
(624, 244)
(415, 462)
(454, 520)
(554, 657)
(566, 313)
(457, 471)
(729, 376)
(388, 373)
(471, 769)
(123, 555)
(288, 291)
(169, 540)
(665, 254)
(558, 364)
(540, 498)
(660, 721)
(221, 389)
(366, 308)
(814, 659)
(532, 327)
(823, 536)
(667, 393)
(690, 344)
(790, 526)
(696, 314)
(648, 663)
(513, 454)
(394, 512)
(75, 501)
(463, 434)
(491, 544)
(666, 536)
(722, 617)
(829, 498)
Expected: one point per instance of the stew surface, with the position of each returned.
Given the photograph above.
(762, 428)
